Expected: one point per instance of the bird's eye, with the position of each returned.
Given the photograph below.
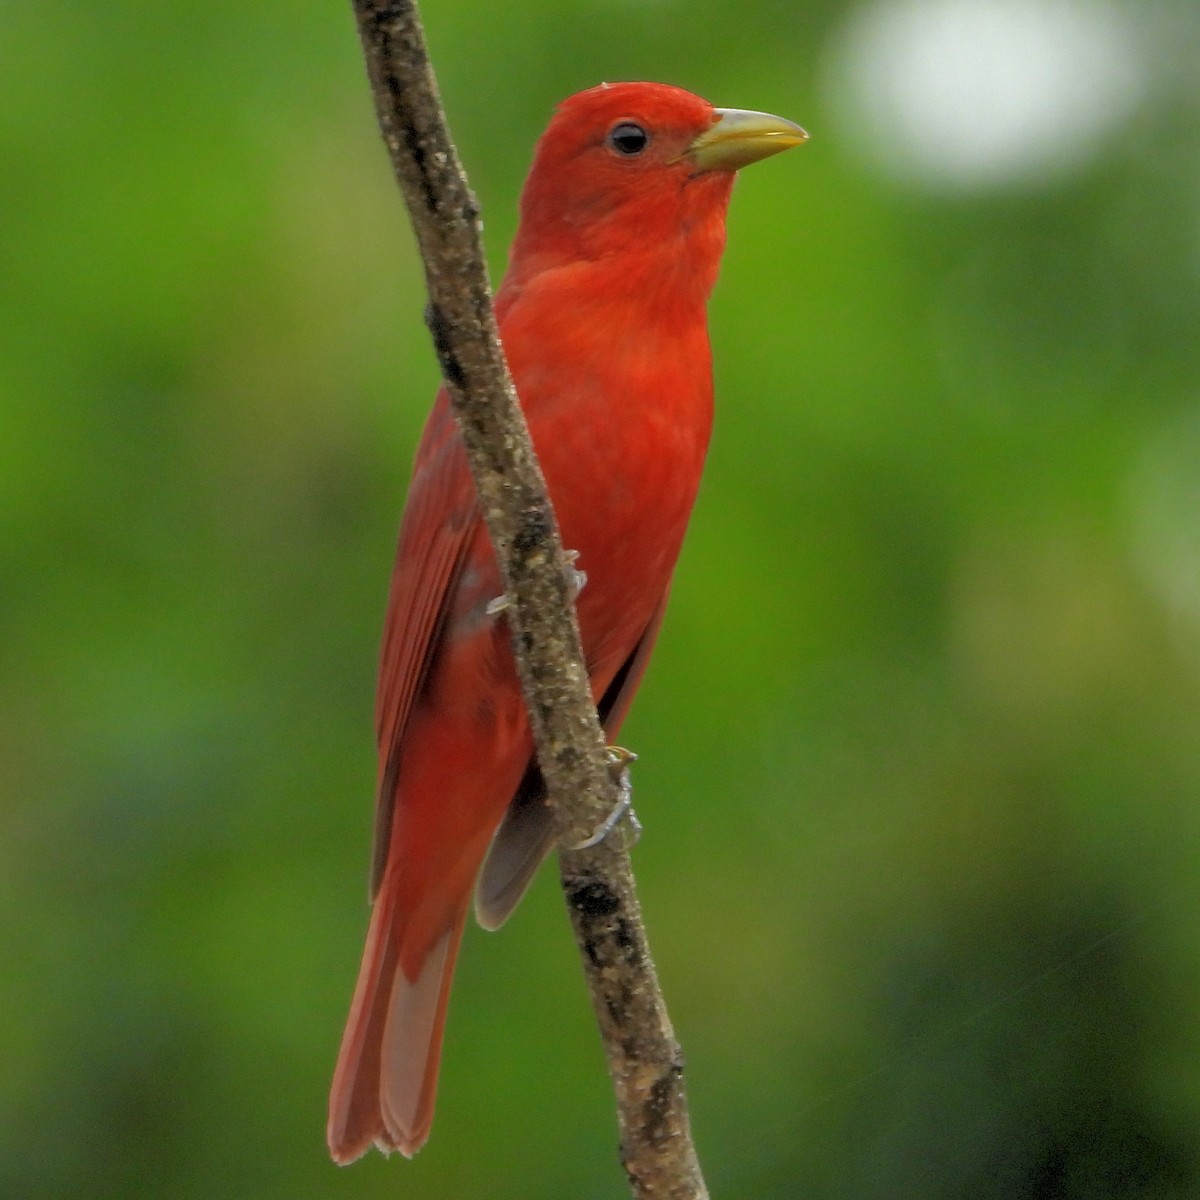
(628, 138)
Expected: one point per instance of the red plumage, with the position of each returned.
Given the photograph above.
(602, 314)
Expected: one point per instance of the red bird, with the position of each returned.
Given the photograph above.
(602, 314)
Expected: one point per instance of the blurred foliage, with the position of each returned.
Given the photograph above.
(921, 747)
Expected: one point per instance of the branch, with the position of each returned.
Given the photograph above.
(643, 1057)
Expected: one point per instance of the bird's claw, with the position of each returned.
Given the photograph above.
(576, 579)
(619, 759)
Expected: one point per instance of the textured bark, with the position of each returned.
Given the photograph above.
(644, 1059)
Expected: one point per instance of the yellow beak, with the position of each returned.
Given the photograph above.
(739, 137)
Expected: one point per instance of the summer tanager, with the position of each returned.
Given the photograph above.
(602, 315)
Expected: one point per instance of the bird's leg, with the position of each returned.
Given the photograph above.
(619, 759)
(575, 583)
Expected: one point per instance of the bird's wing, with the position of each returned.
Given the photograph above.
(526, 835)
(440, 520)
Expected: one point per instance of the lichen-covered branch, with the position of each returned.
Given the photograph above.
(643, 1056)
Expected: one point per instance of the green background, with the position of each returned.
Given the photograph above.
(920, 749)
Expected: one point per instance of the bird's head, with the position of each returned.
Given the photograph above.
(635, 165)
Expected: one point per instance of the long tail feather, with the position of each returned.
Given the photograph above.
(385, 1081)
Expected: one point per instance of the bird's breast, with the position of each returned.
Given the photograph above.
(621, 428)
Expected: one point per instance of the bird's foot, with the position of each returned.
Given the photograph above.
(576, 579)
(619, 759)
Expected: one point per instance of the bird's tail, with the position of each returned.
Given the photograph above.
(386, 1075)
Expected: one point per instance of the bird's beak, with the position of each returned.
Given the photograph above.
(739, 137)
